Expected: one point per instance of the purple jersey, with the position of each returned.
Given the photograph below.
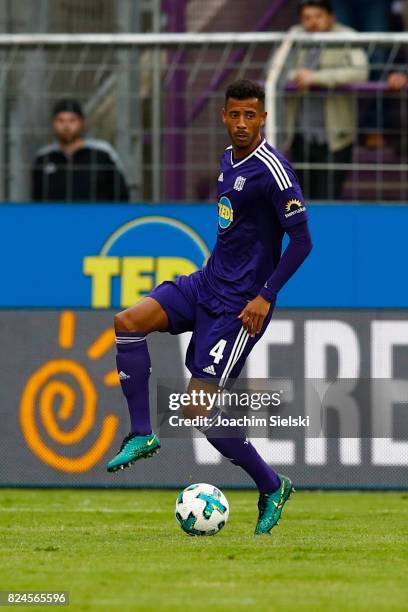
(258, 197)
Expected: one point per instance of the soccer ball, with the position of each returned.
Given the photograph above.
(202, 509)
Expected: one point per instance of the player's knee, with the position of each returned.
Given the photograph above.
(124, 322)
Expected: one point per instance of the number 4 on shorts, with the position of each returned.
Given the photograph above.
(217, 351)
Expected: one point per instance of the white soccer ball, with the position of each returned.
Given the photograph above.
(202, 509)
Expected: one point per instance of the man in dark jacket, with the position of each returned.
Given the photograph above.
(74, 168)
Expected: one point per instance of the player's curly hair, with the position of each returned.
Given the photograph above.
(244, 89)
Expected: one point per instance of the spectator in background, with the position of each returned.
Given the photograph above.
(369, 16)
(321, 127)
(75, 168)
(397, 80)
(364, 15)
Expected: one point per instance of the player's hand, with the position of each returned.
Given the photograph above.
(303, 79)
(253, 315)
(397, 81)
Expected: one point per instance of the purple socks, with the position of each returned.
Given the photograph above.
(133, 363)
(232, 443)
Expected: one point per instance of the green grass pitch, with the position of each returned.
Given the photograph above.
(123, 551)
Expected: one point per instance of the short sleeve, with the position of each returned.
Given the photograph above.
(286, 196)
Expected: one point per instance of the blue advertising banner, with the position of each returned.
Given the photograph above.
(108, 256)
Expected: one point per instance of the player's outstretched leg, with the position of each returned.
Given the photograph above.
(133, 364)
(274, 489)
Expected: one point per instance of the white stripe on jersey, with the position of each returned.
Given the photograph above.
(242, 161)
(279, 164)
(268, 164)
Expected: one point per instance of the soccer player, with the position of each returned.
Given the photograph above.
(229, 303)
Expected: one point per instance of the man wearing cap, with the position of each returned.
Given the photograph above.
(75, 168)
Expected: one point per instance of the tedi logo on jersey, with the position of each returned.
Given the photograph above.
(225, 213)
(296, 205)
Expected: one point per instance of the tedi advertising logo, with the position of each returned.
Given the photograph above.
(138, 256)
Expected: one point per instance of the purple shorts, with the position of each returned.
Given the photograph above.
(219, 345)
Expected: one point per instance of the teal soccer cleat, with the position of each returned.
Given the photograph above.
(133, 448)
(270, 506)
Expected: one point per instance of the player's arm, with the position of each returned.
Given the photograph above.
(299, 247)
(253, 315)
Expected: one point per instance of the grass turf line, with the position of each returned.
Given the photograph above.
(123, 550)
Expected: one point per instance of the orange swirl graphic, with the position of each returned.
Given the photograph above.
(41, 389)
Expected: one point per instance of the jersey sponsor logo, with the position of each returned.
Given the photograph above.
(221, 177)
(225, 213)
(239, 183)
(296, 205)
